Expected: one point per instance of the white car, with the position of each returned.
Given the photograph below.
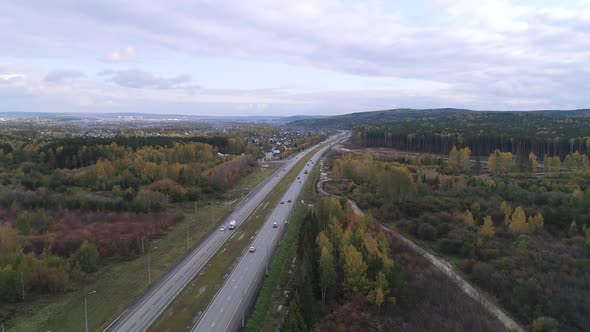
(275, 225)
(222, 228)
(252, 249)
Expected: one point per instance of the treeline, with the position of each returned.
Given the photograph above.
(85, 151)
(143, 179)
(520, 133)
(45, 251)
(347, 271)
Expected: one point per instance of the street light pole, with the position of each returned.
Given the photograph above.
(266, 260)
(22, 284)
(149, 269)
(150, 266)
(86, 309)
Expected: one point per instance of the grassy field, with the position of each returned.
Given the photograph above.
(185, 310)
(266, 315)
(117, 284)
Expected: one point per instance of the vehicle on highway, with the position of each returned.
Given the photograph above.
(288, 201)
(305, 172)
(298, 178)
(232, 224)
(252, 249)
(275, 225)
(282, 202)
(222, 228)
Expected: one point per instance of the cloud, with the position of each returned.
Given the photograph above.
(12, 76)
(495, 55)
(63, 76)
(121, 56)
(137, 78)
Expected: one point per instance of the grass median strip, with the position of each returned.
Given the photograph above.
(270, 293)
(118, 283)
(183, 313)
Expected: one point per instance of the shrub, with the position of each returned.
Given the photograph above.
(427, 232)
(544, 324)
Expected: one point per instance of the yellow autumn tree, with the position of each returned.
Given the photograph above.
(532, 162)
(459, 160)
(355, 271)
(500, 163)
(518, 224)
(468, 218)
(535, 223)
(487, 229)
(505, 208)
(573, 230)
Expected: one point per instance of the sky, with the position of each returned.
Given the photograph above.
(285, 57)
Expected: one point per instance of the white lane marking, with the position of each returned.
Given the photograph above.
(213, 324)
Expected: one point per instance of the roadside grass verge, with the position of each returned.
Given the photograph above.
(118, 283)
(186, 309)
(264, 317)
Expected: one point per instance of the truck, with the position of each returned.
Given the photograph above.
(232, 224)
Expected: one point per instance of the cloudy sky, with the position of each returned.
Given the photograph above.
(275, 57)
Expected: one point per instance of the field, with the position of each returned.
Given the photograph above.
(117, 283)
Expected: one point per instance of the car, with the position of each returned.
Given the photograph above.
(222, 228)
(252, 249)
(282, 202)
(275, 225)
(289, 201)
(298, 178)
(299, 181)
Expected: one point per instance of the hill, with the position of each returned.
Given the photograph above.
(347, 121)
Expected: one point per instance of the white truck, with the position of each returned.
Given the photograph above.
(232, 224)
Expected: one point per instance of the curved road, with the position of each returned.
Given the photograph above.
(141, 314)
(229, 308)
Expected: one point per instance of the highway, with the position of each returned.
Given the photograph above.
(229, 308)
(141, 314)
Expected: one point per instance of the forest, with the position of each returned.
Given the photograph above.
(542, 133)
(519, 234)
(345, 262)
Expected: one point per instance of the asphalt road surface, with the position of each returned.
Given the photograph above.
(229, 308)
(142, 313)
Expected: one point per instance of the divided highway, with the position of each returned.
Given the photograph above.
(142, 313)
(229, 308)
